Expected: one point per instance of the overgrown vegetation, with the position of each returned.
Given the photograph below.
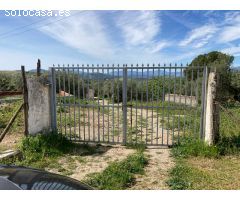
(187, 174)
(10, 81)
(44, 149)
(199, 166)
(7, 112)
(119, 175)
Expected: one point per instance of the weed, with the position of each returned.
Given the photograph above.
(44, 150)
(119, 175)
(189, 146)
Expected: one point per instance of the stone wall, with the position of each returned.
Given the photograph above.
(39, 117)
(190, 100)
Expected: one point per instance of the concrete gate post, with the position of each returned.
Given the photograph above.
(212, 111)
(39, 117)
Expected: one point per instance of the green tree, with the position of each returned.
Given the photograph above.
(215, 61)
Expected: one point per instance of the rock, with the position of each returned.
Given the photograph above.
(9, 154)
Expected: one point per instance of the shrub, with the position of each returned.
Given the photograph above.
(194, 147)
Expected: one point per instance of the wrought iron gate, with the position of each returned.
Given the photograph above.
(154, 105)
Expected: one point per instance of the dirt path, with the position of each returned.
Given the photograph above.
(81, 166)
(156, 172)
(11, 140)
(106, 125)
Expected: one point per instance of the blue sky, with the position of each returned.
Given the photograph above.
(117, 37)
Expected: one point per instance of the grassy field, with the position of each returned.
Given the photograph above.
(199, 166)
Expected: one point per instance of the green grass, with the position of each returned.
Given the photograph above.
(6, 113)
(119, 175)
(198, 173)
(189, 146)
(199, 166)
(44, 150)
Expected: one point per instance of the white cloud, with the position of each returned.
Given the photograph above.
(232, 17)
(198, 37)
(159, 46)
(138, 27)
(232, 50)
(230, 30)
(84, 32)
(230, 33)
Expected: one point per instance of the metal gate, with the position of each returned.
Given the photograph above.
(154, 105)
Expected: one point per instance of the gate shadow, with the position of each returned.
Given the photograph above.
(81, 149)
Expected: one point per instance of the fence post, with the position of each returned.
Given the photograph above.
(52, 80)
(203, 102)
(212, 111)
(25, 100)
(38, 67)
(124, 104)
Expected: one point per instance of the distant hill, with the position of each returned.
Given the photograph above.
(35, 70)
(235, 68)
(134, 74)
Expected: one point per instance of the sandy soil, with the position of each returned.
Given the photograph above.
(10, 141)
(106, 126)
(156, 172)
(84, 165)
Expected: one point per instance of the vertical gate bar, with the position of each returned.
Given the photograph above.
(190, 113)
(88, 99)
(205, 99)
(84, 121)
(124, 105)
(180, 103)
(113, 124)
(93, 105)
(196, 96)
(203, 102)
(64, 97)
(168, 107)
(103, 105)
(152, 107)
(59, 90)
(74, 107)
(108, 96)
(98, 103)
(142, 106)
(163, 100)
(53, 100)
(185, 102)
(146, 137)
(69, 102)
(131, 114)
(174, 101)
(136, 107)
(118, 102)
(158, 94)
(79, 123)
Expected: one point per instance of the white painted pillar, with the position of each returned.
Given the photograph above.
(39, 116)
(212, 111)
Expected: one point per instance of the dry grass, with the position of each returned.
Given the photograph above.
(221, 174)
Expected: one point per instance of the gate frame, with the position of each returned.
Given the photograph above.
(124, 105)
(53, 102)
(53, 108)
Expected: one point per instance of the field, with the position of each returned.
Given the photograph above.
(198, 166)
